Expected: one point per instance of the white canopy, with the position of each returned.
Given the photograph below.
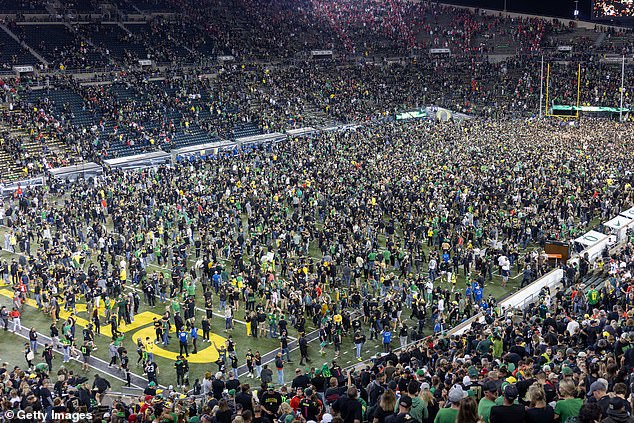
(619, 222)
(591, 238)
(628, 213)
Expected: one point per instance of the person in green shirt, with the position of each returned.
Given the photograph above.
(449, 415)
(122, 305)
(184, 283)
(41, 368)
(176, 307)
(418, 409)
(478, 234)
(569, 406)
(107, 303)
(488, 400)
(272, 319)
(484, 345)
(498, 346)
(191, 289)
(435, 240)
(593, 297)
(118, 342)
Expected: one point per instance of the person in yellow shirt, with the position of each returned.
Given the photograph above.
(123, 275)
(149, 348)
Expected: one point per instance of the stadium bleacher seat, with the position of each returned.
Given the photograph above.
(246, 130)
(12, 53)
(22, 6)
(60, 46)
(118, 43)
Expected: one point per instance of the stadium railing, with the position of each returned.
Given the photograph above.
(519, 300)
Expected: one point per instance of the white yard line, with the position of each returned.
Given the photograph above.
(92, 357)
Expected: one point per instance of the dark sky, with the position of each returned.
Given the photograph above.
(559, 8)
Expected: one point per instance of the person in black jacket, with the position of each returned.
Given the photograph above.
(301, 380)
(33, 340)
(54, 334)
(266, 376)
(84, 395)
(4, 315)
(245, 398)
(598, 394)
(349, 407)
(359, 340)
(100, 385)
(182, 367)
(46, 397)
(279, 365)
(375, 389)
(217, 385)
(125, 366)
(509, 412)
(616, 412)
(319, 381)
(47, 355)
(303, 349)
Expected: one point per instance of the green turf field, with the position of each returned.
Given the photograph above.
(199, 364)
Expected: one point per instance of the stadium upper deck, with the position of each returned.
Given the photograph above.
(89, 97)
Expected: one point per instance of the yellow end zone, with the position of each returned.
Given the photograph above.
(206, 352)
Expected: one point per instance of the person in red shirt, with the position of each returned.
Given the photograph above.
(15, 317)
(145, 404)
(297, 399)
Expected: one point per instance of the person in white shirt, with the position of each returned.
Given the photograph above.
(433, 264)
(228, 318)
(505, 267)
(429, 289)
(572, 327)
(441, 306)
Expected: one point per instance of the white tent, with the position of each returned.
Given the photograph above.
(628, 213)
(618, 226)
(591, 238)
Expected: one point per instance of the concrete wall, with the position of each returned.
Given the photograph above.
(528, 294)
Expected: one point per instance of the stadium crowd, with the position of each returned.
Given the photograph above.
(134, 113)
(390, 231)
(139, 113)
(294, 232)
